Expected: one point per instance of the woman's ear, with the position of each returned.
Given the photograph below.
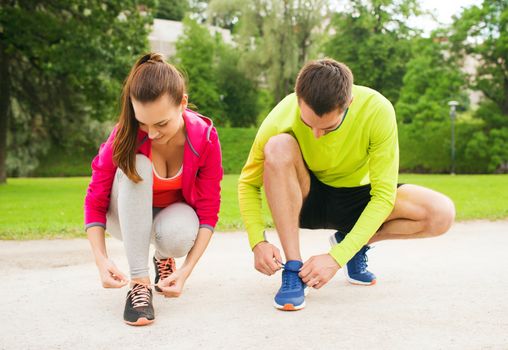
(185, 102)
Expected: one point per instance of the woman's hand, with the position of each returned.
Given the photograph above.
(172, 286)
(111, 276)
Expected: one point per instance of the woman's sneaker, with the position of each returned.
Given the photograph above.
(356, 269)
(291, 295)
(163, 269)
(138, 306)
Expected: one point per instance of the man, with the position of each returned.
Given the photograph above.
(327, 156)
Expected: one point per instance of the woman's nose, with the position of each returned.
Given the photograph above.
(152, 133)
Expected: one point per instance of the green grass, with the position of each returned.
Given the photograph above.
(475, 196)
(36, 208)
(235, 145)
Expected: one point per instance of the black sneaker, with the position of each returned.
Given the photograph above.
(163, 269)
(138, 306)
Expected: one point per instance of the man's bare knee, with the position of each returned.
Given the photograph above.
(280, 151)
(440, 216)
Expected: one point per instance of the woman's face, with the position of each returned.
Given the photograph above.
(160, 119)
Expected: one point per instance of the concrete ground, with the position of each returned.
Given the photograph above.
(449, 292)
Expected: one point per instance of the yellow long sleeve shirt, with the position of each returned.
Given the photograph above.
(363, 150)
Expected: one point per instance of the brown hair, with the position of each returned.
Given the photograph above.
(324, 85)
(150, 78)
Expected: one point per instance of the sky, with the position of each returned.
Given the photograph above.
(444, 10)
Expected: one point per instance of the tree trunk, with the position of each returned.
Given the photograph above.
(5, 83)
(504, 107)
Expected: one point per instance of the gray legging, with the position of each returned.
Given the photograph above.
(132, 219)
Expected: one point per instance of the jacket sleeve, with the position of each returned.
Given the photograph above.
(99, 190)
(383, 168)
(207, 184)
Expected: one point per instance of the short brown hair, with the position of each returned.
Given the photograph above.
(324, 85)
(150, 77)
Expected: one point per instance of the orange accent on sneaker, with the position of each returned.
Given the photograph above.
(142, 321)
(289, 307)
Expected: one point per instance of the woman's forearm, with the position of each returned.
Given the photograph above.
(202, 240)
(96, 237)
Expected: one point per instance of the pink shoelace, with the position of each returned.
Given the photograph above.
(165, 267)
(140, 295)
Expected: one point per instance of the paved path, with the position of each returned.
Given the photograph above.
(449, 292)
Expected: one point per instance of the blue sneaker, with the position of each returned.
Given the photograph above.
(356, 269)
(291, 295)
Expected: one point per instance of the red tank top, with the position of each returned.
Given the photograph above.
(166, 191)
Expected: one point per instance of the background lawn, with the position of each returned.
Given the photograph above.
(36, 208)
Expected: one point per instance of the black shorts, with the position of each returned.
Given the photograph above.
(328, 207)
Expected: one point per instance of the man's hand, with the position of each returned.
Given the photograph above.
(264, 255)
(172, 285)
(318, 270)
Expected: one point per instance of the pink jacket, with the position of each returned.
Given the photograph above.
(201, 176)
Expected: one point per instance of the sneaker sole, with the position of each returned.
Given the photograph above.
(140, 322)
(291, 307)
(356, 282)
(360, 283)
(288, 307)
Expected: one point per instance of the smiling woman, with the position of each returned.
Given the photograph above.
(156, 179)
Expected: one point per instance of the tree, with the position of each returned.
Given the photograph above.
(172, 9)
(275, 37)
(373, 38)
(225, 13)
(216, 85)
(482, 33)
(62, 63)
(196, 57)
(430, 82)
(240, 94)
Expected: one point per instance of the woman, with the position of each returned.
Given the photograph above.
(155, 180)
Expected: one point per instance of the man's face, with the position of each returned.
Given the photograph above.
(320, 126)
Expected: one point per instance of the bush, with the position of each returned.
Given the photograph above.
(423, 148)
(427, 148)
(235, 143)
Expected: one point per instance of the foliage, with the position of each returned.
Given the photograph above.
(275, 37)
(196, 56)
(172, 9)
(235, 144)
(373, 38)
(62, 64)
(216, 84)
(482, 33)
(430, 82)
(240, 94)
